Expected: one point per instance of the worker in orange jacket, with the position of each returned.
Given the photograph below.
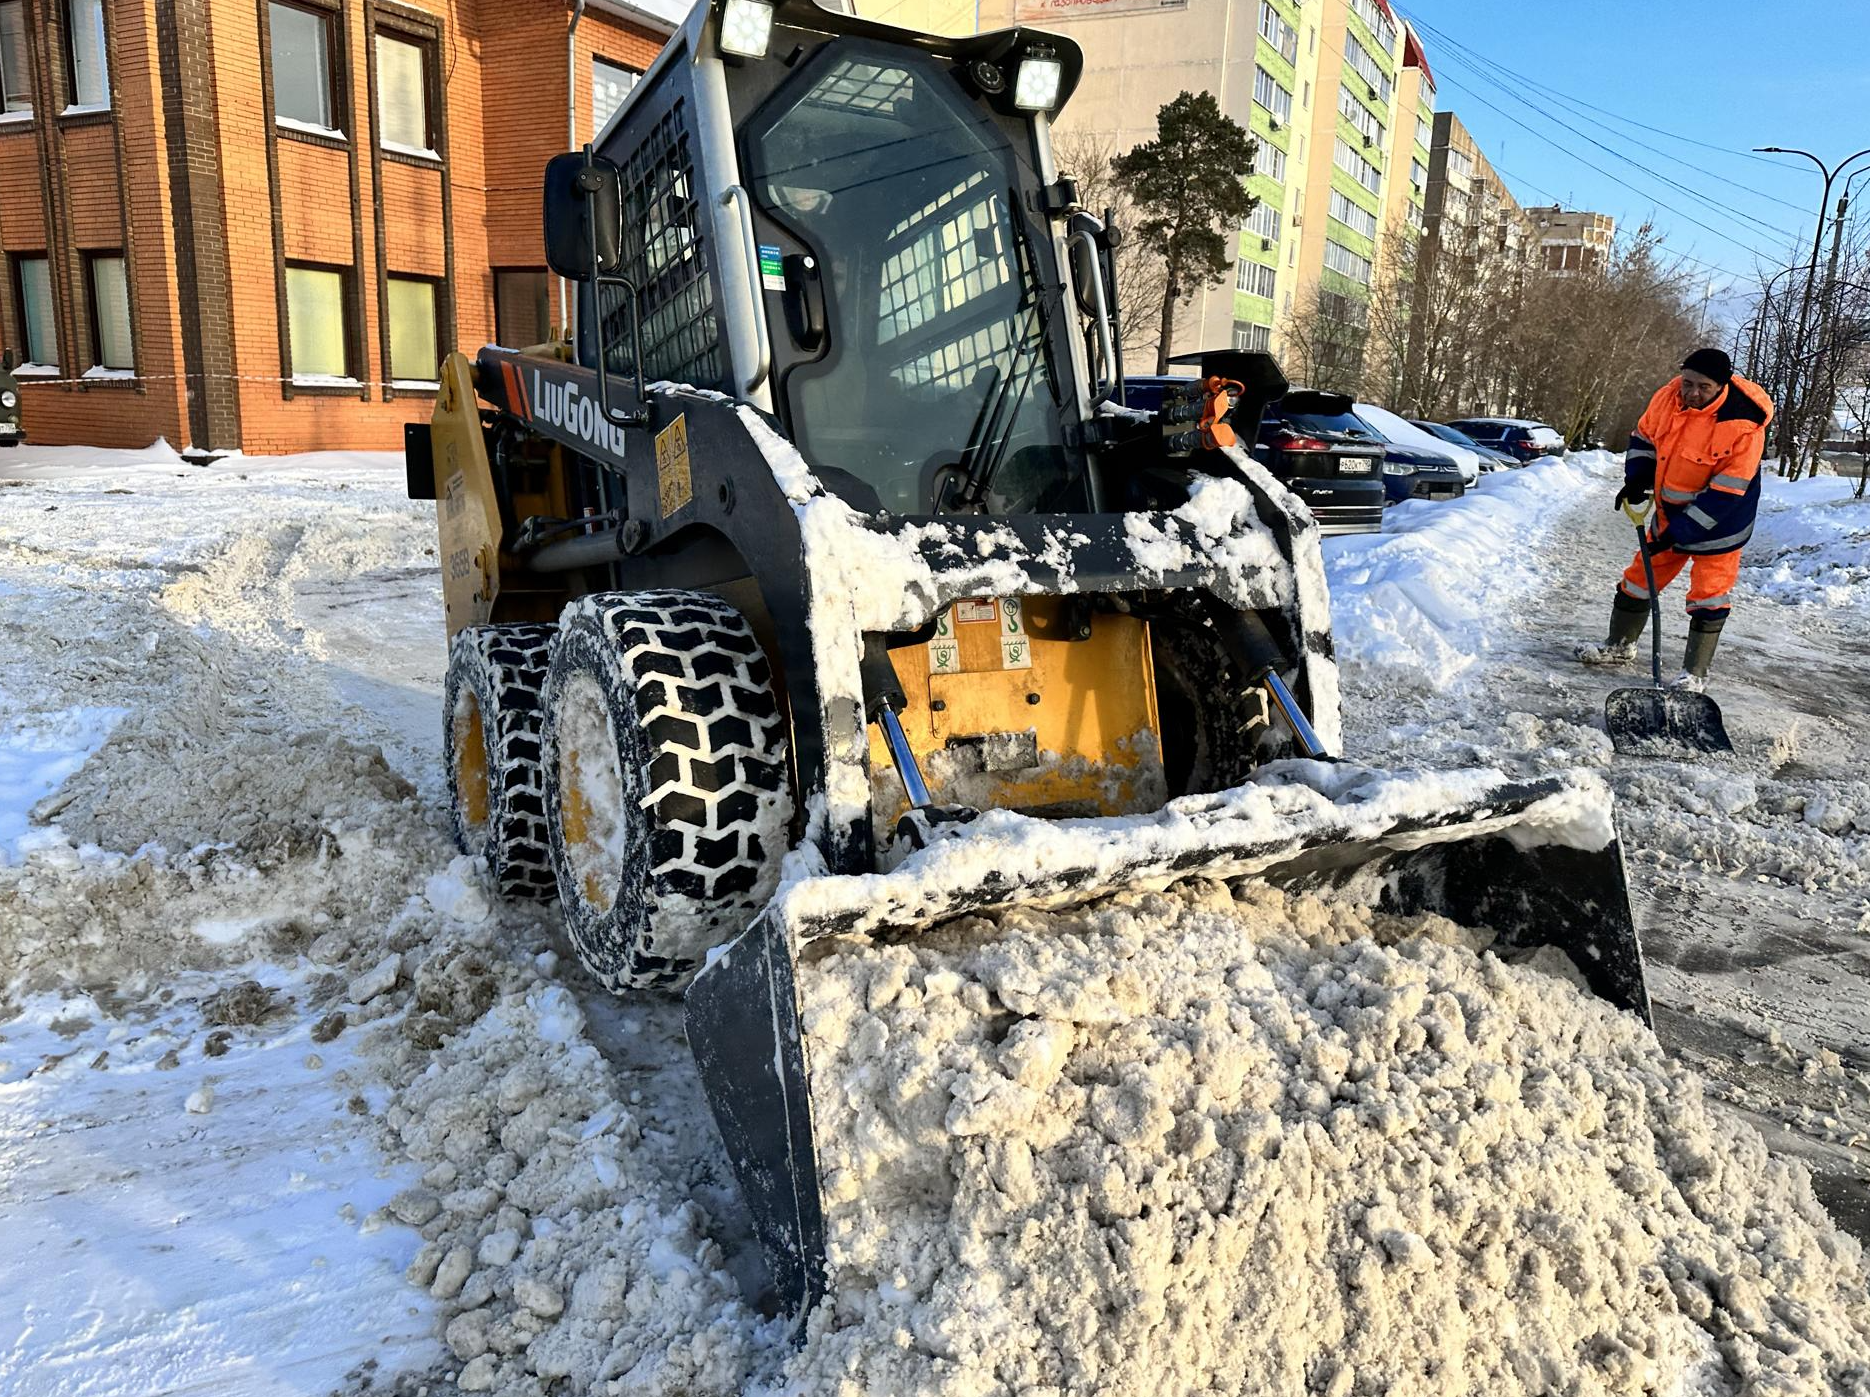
(1697, 449)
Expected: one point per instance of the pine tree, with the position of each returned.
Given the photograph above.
(1187, 187)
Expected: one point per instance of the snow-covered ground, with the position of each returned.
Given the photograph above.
(289, 1105)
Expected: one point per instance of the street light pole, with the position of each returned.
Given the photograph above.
(1789, 436)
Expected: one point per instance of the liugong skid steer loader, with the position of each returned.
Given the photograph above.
(823, 584)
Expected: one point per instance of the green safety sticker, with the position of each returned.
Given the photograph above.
(772, 268)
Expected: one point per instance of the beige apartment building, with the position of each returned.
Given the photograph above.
(1467, 195)
(1337, 92)
(1571, 241)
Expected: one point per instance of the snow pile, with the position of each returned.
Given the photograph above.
(1210, 1141)
(1811, 544)
(1424, 601)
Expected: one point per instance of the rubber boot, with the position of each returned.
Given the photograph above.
(1628, 616)
(1703, 636)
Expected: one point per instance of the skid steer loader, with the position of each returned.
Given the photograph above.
(822, 583)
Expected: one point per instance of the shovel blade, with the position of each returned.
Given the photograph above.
(1639, 719)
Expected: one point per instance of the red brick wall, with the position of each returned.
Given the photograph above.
(501, 68)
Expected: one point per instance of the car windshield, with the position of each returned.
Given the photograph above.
(938, 316)
(1343, 423)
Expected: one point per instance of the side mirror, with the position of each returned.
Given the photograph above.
(583, 215)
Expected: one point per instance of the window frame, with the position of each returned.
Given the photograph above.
(1277, 86)
(438, 293)
(1250, 275)
(94, 309)
(301, 380)
(426, 51)
(16, 267)
(599, 60)
(73, 105)
(335, 90)
(20, 113)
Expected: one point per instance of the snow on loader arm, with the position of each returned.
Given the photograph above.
(824, 585)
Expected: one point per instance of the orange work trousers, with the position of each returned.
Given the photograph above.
(1710, 584)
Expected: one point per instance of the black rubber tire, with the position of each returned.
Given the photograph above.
(1214, 727)
(667, 794)
(497, 673)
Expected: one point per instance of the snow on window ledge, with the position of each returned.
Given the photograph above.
(308, 128)
(85, 109)
(16, 118)
(416, 385)
(31, 370)
(413, 152)
(324, 381)
(104, 371)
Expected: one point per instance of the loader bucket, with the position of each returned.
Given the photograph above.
(1637, 719)
(1536, 861)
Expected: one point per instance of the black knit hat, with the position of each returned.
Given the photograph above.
(1710, 363)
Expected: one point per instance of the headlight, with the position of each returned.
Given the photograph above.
(746, 28)
(9, 399)
(1397, 468)
(1036, 88)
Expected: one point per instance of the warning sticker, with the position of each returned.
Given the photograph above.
(674, 486)
(944, 649)
(977, 609)
(772, 268)
(1015, 647)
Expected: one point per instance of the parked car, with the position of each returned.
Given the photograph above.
(1526, 441)
(1399, 431)
(1491, 457)
(11, 433)
(1321, 451)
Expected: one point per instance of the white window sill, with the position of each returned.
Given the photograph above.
(35, 371)
(85, 109)
(16, 118)
(308, 128)
(100, 371)
(324, 381)
(413, 152)
(416, 385)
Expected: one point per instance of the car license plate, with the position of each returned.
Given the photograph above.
(1355, 465)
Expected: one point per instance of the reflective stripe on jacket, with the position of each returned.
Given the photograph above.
(1703, 464)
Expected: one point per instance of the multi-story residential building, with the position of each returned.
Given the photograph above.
(1465, 193)
(259, 224)
(1570, 240)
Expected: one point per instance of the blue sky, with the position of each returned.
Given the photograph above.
(1733, 75)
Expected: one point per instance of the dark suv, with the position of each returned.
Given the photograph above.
(11, 433)
(1321, 451)
(1522, 440)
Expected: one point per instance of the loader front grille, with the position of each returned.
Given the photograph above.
(663, 254)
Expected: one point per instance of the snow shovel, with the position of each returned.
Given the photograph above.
(1637, 719)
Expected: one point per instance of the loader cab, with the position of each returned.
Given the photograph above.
(859, 229)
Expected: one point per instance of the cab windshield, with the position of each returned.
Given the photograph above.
(940, 336)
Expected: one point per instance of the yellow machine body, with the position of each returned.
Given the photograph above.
(1007, 711)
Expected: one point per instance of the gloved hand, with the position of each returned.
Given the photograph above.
(1637, 495)
(1660, 543)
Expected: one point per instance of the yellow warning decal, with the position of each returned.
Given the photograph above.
(674, 486)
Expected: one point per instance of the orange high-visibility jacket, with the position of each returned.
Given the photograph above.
(1703, 465)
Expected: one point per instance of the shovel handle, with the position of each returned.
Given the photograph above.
(1639, 518)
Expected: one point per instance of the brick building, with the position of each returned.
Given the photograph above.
(258, 224)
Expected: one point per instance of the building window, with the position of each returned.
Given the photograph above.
(315, 321)
(1270, 95)
(1264, 220)
(1424, 133)
(1255, 337)
(610, 84)
(1360, 116)
(1274, 167)
(32, 285)
(110, 312)
(90, 76)
(1367, 68)
(403, 96)
(1418, 175)
(1353, 164)
(302, 68)
(1460, 165)
(1358, 220)
(1377, 22)
(15, 71)
(415, 335)
(522, 306)
(1342, 260)
(1254, 279)
(1277, 32)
